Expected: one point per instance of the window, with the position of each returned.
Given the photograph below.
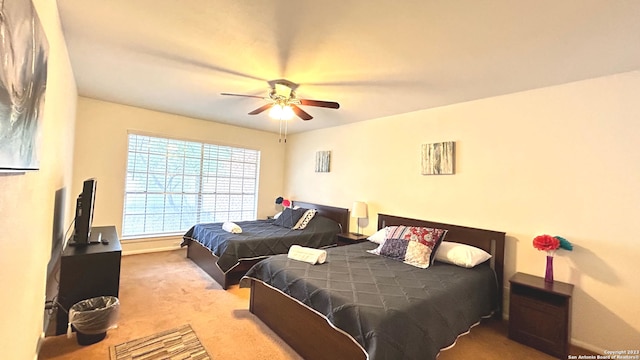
(173, 184)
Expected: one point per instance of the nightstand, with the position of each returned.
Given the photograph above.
(349, 238)
(540, 314)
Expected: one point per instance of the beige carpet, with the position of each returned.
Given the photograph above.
(165, 290)
(178, 343)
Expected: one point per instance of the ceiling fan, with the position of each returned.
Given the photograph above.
(284, 103)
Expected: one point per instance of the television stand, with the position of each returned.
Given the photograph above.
(87, 271)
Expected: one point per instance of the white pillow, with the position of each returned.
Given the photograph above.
(379, 236)
(277, 215)
(461, 254)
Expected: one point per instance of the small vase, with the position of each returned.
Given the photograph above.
(548, 275)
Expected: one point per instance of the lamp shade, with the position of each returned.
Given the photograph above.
(359, 209)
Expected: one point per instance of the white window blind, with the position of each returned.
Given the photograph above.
(173, 184)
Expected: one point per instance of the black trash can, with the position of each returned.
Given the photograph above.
(91, 318)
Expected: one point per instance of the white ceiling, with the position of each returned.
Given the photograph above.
(376, 58)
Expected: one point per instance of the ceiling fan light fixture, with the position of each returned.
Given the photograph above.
(283, 102)
(281, 112)
(283, 90)
(276, 111)
(287, 112)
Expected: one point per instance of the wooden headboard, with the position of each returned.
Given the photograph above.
(487, 240)
(340, 215)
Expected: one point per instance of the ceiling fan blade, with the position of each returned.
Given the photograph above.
(260, 109)
(251, 96)
(320, 103)
(301, 113)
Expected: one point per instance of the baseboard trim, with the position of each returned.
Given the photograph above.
(150, 245)
(39, 344)
(150, 250)
(587, 346)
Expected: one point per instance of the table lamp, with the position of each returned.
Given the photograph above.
(359, 211)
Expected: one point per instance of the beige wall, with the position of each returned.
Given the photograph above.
(562, 160)
(27, 204)
(101, 152)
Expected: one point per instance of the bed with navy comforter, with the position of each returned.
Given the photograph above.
(391, 309)
(261, 239)
(227, 256)
(360, 305)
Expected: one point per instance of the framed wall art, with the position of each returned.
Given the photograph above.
(24, 51)
(438, 158)
(323, 160)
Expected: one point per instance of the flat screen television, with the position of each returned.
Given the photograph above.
(84, 214)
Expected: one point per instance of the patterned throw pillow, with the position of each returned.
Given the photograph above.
(413, 245)
(289, 217)
(304, 220)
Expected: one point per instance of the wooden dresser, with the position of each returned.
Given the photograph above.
(88, 271)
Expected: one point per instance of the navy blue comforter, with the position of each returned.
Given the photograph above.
(260, 238)
(393, 310)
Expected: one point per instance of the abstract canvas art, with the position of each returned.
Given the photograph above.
(323, 158)
(23, 77)
(438, 158)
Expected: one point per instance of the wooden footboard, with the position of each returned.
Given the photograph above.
(207, 261)
(308, 333)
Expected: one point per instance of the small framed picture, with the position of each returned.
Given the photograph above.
(438, 158)
(323, 159)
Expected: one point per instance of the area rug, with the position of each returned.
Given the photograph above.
(178, 343)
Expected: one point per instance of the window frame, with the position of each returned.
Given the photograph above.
(217, 163)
